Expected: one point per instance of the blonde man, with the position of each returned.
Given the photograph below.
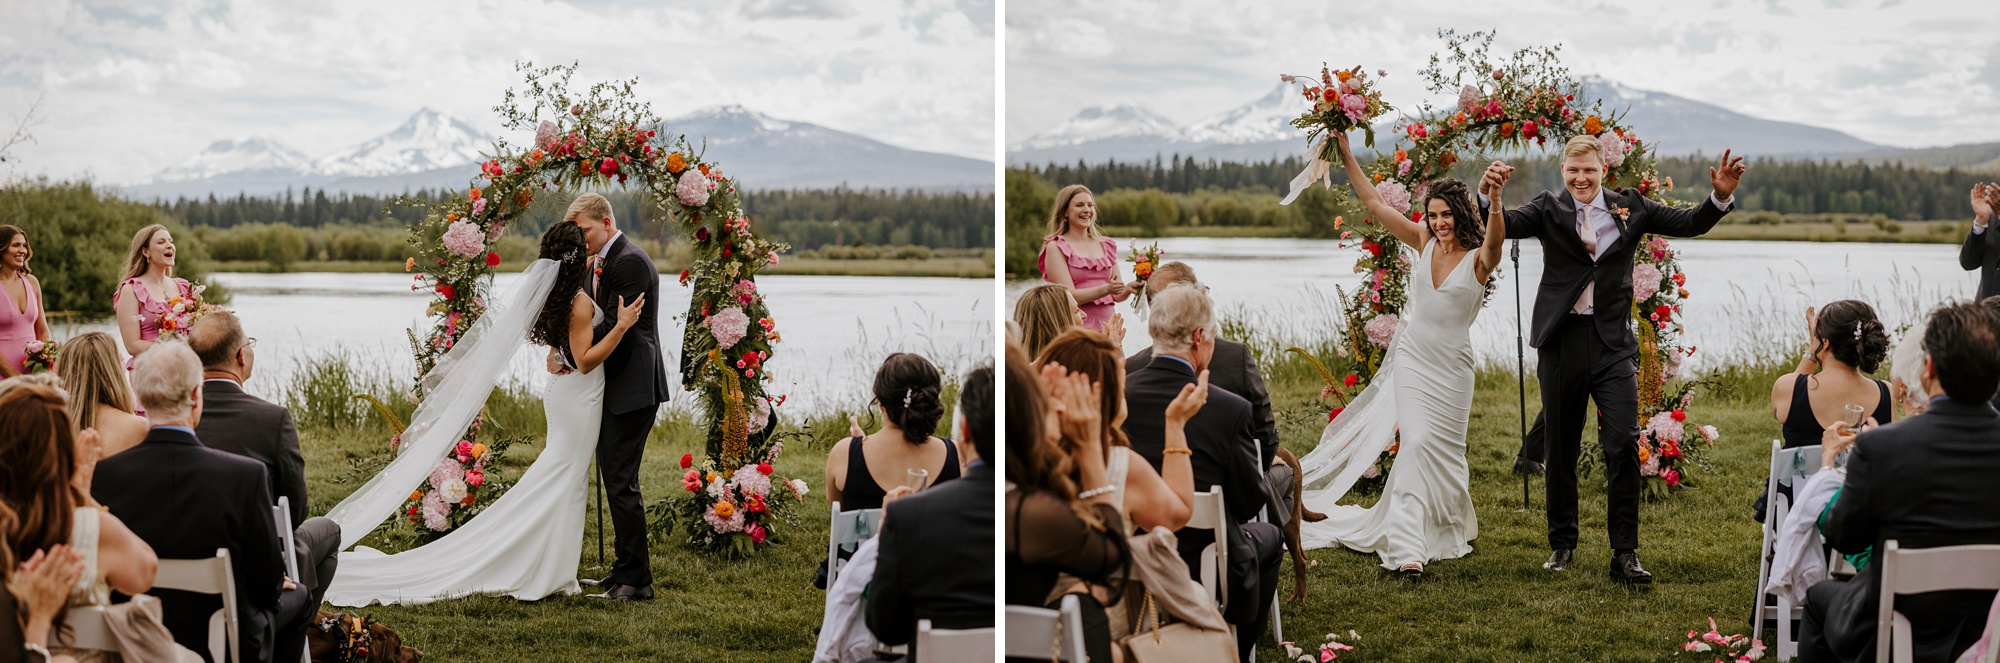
(1582, 329)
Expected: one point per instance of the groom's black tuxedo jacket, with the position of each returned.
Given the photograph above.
(1981, 251)
(1567, 265)
(1926, 481)
(635, 375)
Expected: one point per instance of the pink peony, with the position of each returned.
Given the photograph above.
(728, 325)
(693, 189)
(1614, 149)
(436, 512)
(1403, 169)
(446, 471)
(463, 239)
(34, 346)
(545, 135)
(1395, 194)
(1468, 100)
(1645, 281)
(1664, 428)
(479, 207)
(1650, 468)
(749, 481)
(761, 417)
(1356, 107)
(463, 451)
(746, 292)
(734, 523)
(1382, 330)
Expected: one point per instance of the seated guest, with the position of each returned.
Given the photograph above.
(1147, 498)
(32, 596)
(1042, 313)
(1051, 529)
(860, 469)
(1926, 482)
(1906, 372)
(186, 500)
(935, 552)
(1225, 453)
(1847, 341)
(93, 371)
(235, 421)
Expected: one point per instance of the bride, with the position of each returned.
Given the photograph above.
(1422, 392)
(527, 543)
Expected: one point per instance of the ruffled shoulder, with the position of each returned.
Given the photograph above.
(1106, 261)
(137, 287)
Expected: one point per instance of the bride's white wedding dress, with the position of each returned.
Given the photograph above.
(527, 543)
(1424, 387)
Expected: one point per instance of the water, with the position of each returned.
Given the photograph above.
(836, 329)
(1745, 297)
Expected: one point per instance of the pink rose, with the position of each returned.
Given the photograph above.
(34, 346)
(757, 534)
(474, 477)
(1671, 476)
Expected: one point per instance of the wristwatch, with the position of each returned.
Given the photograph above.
(34, 653)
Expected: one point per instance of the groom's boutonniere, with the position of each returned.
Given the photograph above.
(1623, 213)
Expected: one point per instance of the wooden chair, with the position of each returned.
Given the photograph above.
(1907, 572)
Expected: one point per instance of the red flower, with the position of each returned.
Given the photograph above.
(449, 292)
(684, 277)
(1664, 312)
(609, 167)
(474, 478)
(1529, 129)
(1333, 413)
(757, 534)
(1373, 248)
(1351, 379)
(492, 259)
(1680, 415)
(764, 469)
(687, 461)
(492, 169)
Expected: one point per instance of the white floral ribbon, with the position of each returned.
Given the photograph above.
(1317, 170)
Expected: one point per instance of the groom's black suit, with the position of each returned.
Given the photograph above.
(635, 384)
(1590, 356)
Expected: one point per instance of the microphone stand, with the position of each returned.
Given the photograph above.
(1520, 362)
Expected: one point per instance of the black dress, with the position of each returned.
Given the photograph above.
(861, 491)
(1802, 428)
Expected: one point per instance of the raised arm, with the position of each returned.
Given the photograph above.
(1401, 226)
(1496, 235)
(1659, 219)
(1972, 255)
(1522, 222)
(591, 353)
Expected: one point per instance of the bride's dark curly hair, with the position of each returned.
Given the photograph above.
(1468, 226)
(563, 243)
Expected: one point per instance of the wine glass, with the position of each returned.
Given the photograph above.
(916, 477)
(1853, 415)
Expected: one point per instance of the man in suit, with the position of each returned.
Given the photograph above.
(232, 420)
(935, 559)
(186, 500)
(635, 384)
(1981, 250)
(1583, 330)
(1224, 453)
(1234, 368)
(1925, 481)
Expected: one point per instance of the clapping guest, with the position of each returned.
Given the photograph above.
(1924, 481)
(1981, 250)
(1054, 528)
(1847, 341)
(148, 287)
(1147, 498)
(33, 596)
(1077, 257)
(21, 319)
(100, 394)
(861, 469)
(1042, 313)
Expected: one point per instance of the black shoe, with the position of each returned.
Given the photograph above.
(1524, 466)
(1559, 559)
(1625, 568)
(626, 593)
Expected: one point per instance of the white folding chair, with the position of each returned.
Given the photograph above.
(84, 628)
(1037, 632)
(1787, 467)
(1210, 513)
(846, 531)
(281, 517)
(972, 645)
(207, 576)
(1277, 617)
(1921, 571)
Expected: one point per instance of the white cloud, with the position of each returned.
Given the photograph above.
(1913, 73)
(130, 89)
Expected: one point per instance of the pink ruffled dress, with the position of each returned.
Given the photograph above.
(17, 328)
(150, 309)
(1086, 273)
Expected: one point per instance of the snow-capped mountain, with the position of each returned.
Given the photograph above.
(435, 150)
(230, 155)
(1099, 123)
(429, 140)
(1261, 121)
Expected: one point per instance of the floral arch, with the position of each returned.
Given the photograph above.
(1523, 103)
(598, 140)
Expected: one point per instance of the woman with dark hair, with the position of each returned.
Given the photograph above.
(862, 469)
(1421, 395)
(1082, 260)
(1847, 341)
(21, 319)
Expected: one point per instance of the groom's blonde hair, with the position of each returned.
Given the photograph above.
(1583, 144)
(591, 203)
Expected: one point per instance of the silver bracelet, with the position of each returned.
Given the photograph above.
(1094, 492)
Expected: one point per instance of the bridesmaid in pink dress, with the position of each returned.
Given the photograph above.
(1089, 260)
(21, 319)
(149, 283)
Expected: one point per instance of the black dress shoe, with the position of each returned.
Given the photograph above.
(1625, 568)
(1559, 559)
(626, 593)
(1524, 466)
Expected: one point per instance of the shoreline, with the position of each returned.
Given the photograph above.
(881, 267)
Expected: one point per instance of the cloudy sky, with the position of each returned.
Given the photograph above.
(1907, 73)
(129, 88)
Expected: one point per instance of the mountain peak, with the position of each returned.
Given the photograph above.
(734, 117)
(246, 153)
(1099, 123)
(428, 140)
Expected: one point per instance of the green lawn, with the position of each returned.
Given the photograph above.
(1498, 604)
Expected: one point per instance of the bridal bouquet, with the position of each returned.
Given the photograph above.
(1343, 101)
(1144, 260)
(42, 356)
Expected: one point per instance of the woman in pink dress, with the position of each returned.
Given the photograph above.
(142, 299)
(21, 319)
(1089, 260)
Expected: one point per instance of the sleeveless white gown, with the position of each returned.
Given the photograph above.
(526, 544)
(1424, 388)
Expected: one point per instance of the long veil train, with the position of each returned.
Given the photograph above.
(454, 392)
(1351, 442)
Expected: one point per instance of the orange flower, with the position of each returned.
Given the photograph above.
(1337, 221)
(416, 495)
(409, 264)
(478, 449)
(1447, 159)
(724, 509)
(1457, 119)
(1343, 75)
(448, 218)
(534, 156)
(470, 499)
(1378, 178)
(476, 193)
(1593, 125)
(1142, 269)
(676, 163)
(1506, 130)
(1401, 155)
(704, 169)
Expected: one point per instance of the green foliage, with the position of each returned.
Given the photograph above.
(1029, 199)
(80, 237)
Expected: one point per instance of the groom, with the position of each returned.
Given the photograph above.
(1583, 331)
(635, 384)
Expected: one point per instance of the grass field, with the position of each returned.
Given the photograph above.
(1498, 604)
(708, 609)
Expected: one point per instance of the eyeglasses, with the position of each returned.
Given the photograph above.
(247, 344)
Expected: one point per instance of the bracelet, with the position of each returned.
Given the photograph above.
(1182, 450)
(1811, 357)
(1100, 490)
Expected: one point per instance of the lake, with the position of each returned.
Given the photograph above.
(836, 329)
(1745, 297)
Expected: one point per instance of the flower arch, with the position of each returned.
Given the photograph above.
(1522, 103)
(598, 140)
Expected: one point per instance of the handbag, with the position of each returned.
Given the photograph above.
(1179, 642)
